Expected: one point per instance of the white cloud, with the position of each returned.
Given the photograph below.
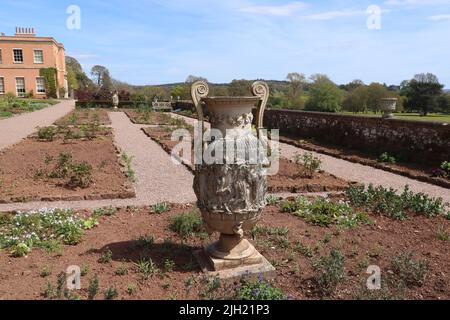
(439, 17)
(331, 15)
(282, 10)
(412, 3)
(82, 55)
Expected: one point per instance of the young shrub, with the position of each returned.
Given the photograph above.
(106, 256)
(111, 293)
(187, 224)
(330, 271)
(258, 290)
(47, 133)
(93, 287)
(160, 208)
(147, 268)
(311, 163)
(81, 175)
(410, 271)
(386, 158)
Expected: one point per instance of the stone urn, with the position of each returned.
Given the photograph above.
(231, 191)
(115, 100)
(389, 106)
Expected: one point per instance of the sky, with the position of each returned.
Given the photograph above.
(164, 41)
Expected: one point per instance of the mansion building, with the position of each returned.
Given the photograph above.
(25, 61)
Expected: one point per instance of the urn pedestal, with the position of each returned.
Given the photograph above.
(231, 186)
(389, 106)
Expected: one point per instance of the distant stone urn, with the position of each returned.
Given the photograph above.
(389, 106)
(231, 192)
(115, 100)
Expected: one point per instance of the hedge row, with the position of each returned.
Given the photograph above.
(109, 104)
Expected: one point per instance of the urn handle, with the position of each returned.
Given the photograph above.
(199, 90)
(261, 89)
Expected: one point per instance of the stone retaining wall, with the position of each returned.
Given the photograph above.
(415, 141)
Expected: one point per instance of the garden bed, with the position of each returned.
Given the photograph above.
(152, 257)
(12, 106)
(67, 167)
(413, 171)
(80, 116)
(148, 117)
(292, 177)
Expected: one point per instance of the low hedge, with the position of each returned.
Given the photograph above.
(109, 104)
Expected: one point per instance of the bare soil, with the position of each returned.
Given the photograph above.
(377, 244)
(80, 116)
(410, 170)
(292, 177)
(24, 173)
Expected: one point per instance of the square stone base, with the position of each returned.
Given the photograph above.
(228, 270)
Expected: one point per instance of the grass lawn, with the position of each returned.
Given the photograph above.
(434, 117)
(14, 106)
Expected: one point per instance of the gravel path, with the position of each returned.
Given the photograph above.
(158, 178)
(13, 130)
(360, 173)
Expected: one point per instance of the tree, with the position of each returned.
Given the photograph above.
(192, 79)
(422, 93)
(357, 100)
(180, 91)
(76, 77)
(352, 85)
(376, 92)
(97, 73)
(240, 88)
(324, 95)
(297, 82)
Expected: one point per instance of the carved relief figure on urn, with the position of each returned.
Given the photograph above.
(231, 192)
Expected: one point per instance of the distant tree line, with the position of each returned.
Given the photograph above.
(423, 93)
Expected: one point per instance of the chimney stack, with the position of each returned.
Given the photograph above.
(25, 32)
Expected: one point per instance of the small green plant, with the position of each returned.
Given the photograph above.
(187, 224)
(81, 175)
(258, 290)
(47, 133)
(111, 293)
(20, 250)
(323, 212)
(122, 270)
(45, 272)
(46, 229)
(145, 241)
(85, 270)
(49, 292)
(273, 200)
(93, 287)
(386, 158)
(410, 271)
(132, 289)
(330, 271)
(160, 208)
(169, 265)
(111, 211)
(106, 256)
(445, 166)
(311, 163)
(396, 206)
(147, 268)
(90, 130)
(131, 173)
(442, 234)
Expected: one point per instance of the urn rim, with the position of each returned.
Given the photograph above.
(224, 99)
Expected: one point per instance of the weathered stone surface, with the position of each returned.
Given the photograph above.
(415, 141)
